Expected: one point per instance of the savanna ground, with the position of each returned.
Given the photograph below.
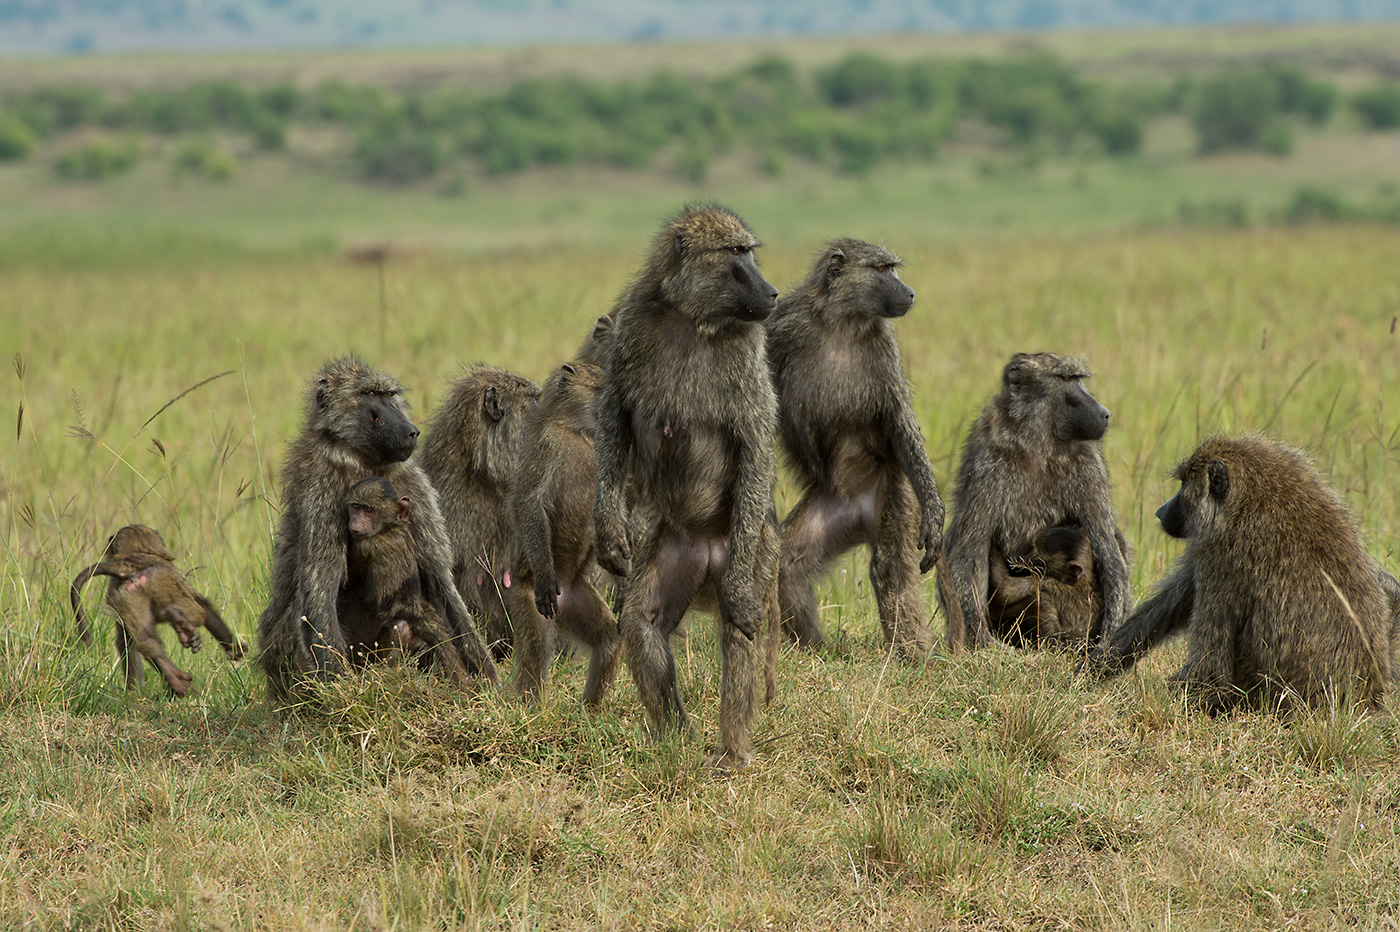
(992, 791)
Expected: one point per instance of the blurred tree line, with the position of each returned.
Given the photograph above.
(852, 116)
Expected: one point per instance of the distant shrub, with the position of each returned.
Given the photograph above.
(1230, 212)
(860, 78)
(1317, 205)
(17, 141)
(1300, 93)
(269, 132)
(1120, 133)
(392, 150)
(203, 158)
(98, 159)
(1379, 106)
(56, 109)
(1239, 110)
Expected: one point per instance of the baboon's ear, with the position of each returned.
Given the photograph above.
(321, 392)
(835, 262)
(1219, 480)
(403, 508)
(491, 404)
(567, 368)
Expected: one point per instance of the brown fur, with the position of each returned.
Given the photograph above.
(849, 433)
(685, 425)
(356, 426)
(594, 349)
(381, 605)
(470, 452)
(1278, 598)
(1052, 598)
(145, 589)
(1033, 460)
(552, 505)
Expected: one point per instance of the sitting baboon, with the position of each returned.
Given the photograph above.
(1033, 461)
(145, 589)
(1278, 598)
(552, 505)
(470, 451)
(1048, 597)
(381, 605)
(685, 425)
(356, 426)
(849, 433)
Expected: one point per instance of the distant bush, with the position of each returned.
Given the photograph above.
(98, 159)
(1300, 93)
(396, 151)
(1379, 106)
(1317, 205)
(1240, 110)
(1229, 212)
(17, 141)
(203, 158)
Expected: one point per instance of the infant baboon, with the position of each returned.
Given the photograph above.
(145, 589)
(356, 426)
(470, 453)
(685, 425)
(1279, 600)
(1033, 461)
(849, 433)
(552, 504)
(381, 604)
(1049, 597)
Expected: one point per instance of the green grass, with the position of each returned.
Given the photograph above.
(992, 791)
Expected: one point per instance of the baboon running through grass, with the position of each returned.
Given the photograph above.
(686, 421)
(145, 589)
(356, 426)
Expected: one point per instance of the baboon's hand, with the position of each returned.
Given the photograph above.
(547, 595)
(930, 539)
(612, 551)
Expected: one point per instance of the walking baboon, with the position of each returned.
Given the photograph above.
(470, 453)
(381, 605)
(1279, 600)
(1033, 461)
(356, 426)
(685, 424)
(1048, 597)
(145, 589)
(552, 505)
(849, 433)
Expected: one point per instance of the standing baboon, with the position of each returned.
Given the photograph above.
(1279, 600)
(356, 426)
(470, 453)
(145, 589)
(1049, 597)
(552, 505)
(685, 424)
(381, 604)
(1033, 461)
(849, 433)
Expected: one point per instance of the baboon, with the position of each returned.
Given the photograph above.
(552, 506)
(1048, 597)
(381, 604)
(685, 427)
(594, 349)
(848, 431)
(145, 589)
(356, 426)
(1033, 461)
(1279, 600)
(470, 453)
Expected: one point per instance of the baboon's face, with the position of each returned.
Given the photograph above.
(384, 430)
(893, 298)
(363, 409)
(1078, 415)
(1200, 502)
(1064, 552)
(751, 297)
(373, 506)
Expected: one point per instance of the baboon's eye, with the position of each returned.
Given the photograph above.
(738, 250)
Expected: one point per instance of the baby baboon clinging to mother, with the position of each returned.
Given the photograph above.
(1033, 461)
(848, 430)
(552, 506)
(470, 453)
(1050, 596)
(145, 589)
(685, 422)
(381, 605)
(356, 426)
(1278, 598)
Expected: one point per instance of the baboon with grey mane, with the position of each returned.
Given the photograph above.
(356, 425)
(849, 433)
(1033, 460)
(685, 427)
(1280, 603)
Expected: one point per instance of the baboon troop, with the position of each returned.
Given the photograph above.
(1033, 461)
(381, 605)
(470, 452)
(356, 425)
(1279, 600)
(1048, 597)
(686, 420)
(552, 507)
(145, 589)
(852, 441)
